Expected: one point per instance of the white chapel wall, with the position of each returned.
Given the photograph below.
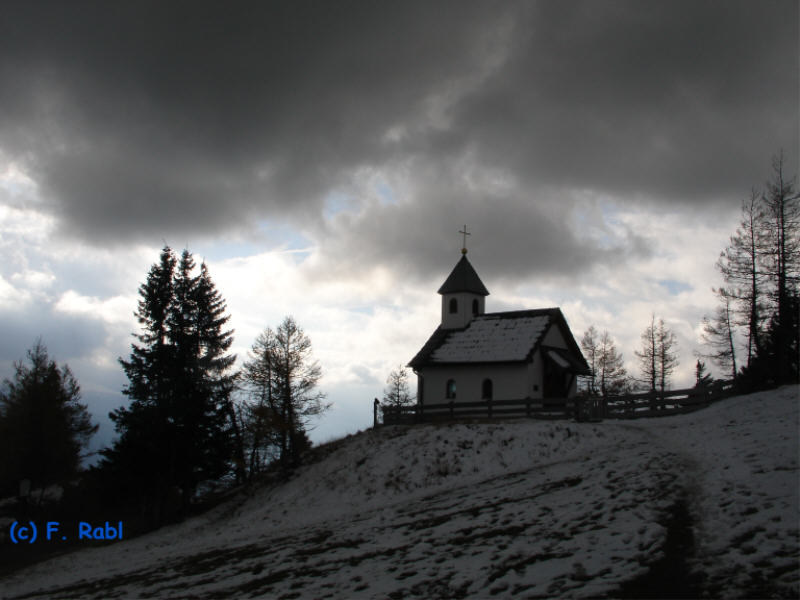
(509, 382)
(464, 315)
(534, 376)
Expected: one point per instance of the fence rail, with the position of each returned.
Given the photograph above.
(629, 406)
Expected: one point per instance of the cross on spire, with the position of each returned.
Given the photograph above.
(465, 233)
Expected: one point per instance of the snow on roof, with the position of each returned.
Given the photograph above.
(490, 338)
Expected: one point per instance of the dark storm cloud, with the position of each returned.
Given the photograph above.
(678, 99)
(146, 119)
(167, 114)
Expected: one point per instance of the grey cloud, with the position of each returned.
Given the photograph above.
(68, 337)
(660, 99)
(150, 119)
(516, 232)
(201, 115)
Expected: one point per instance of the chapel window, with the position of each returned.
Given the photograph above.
(453, 306)
(450, 389)
(486, 389)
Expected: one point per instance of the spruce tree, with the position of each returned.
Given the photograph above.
(44, 427)
(204, 425)
(139, 467)
(215, 366)
(176, 432)
(779, 360)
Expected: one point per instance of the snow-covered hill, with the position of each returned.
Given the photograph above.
(698, 504)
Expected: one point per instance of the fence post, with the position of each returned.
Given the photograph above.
(451, 409)
(489, 404)
(375, 413)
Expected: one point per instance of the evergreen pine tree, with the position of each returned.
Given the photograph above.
(779, 360)
(138, 467)
(43, 425)
(206, 429)
(176, 432)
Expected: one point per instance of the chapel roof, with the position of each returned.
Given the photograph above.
(501, 337)
(463, 278)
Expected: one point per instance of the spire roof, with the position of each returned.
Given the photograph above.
(463, 278)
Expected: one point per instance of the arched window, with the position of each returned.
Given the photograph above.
(453, 306)
(475, 307)
(486, 389)
(450, 389)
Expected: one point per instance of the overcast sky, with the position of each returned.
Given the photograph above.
(322, 156)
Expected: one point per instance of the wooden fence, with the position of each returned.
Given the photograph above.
(630, 406)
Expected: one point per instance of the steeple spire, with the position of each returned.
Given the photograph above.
(463, 294)
(463, 278)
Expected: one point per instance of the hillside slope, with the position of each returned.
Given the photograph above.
(707, 501)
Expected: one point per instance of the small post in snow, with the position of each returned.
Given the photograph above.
(375, 413)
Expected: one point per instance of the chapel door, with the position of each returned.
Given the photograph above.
(556, 381)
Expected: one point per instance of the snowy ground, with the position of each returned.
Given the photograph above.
(702, 504)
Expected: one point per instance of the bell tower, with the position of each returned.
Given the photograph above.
(463, 293)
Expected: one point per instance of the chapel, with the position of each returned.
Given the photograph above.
(474, 355)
